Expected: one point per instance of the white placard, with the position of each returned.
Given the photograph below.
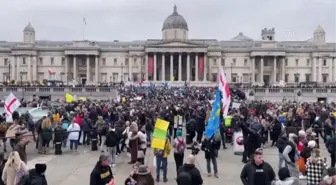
(238, 143)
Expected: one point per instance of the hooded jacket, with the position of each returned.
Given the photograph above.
(194, 173)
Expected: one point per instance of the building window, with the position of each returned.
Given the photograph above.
(63, 61)
(286, 62)
(223, 61)
(307, 77)
(135, 61)
(6, 61)
(104, 61)
(325, 78)
(324, 62)
(51, 60)
(214, 61)
(144, 62)
(40, 61)
(296, 62)
(24, 60)
(115, 61)
(286, 77)
(126, 61)
(308, 62)
(245, 62)
(233, 62)
(296, 78)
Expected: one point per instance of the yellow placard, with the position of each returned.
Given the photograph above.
(123, 99)
(158, 143)
(161, 124)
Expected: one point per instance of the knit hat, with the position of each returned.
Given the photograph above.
(143, 170)
(178, 133)
(302, 133)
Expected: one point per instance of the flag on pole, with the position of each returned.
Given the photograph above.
(11, 104)
(84, 20)
(213, 122)
(225, 90)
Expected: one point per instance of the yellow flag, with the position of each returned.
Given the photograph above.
(69, 98)
(161, 124)
(158, 143)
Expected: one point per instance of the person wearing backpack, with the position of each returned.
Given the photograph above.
(188, 174)
(179, 146)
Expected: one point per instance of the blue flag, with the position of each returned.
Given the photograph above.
(213, 122)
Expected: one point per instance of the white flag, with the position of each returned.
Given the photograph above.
(11, 104)
(225, 90)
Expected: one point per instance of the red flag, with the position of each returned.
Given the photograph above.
(225, 89)
(150, 65)
(200, 64)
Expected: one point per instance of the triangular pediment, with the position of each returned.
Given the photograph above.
(175, 44)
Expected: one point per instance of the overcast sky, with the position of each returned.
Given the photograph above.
(127, 20)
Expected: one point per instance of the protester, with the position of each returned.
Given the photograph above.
(14, 169)
(330, 178)
(188, 174)
(2, 166)
(131, 179)
(210, 147)
(102, 172)
(162, 160)
(35, 176)
(179, 146)
(144, 177)
(111, 144)
(73, 130)
(315, 167)
(290, 154)
(46, 135)
(285, 178)
(257, 171)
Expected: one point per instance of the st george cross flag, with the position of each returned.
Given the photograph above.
(225, 90)
(11, 104)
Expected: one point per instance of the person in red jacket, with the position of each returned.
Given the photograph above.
(79, 118)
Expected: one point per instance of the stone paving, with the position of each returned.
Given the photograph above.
(75, 168)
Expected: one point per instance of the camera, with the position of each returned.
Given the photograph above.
(194, 148)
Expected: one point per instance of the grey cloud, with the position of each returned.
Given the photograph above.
(143, 19)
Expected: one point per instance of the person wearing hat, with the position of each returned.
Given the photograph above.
(102, 172)
(144, 177)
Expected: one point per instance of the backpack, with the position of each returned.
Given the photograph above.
(180, 146)
(184, 178)
(3, 127)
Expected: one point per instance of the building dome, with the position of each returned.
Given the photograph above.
(29, 28)
(175, 20)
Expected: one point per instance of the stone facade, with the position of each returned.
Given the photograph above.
(174, 57)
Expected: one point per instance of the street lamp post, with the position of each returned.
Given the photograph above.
(297, 79)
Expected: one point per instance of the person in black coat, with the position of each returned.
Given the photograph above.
(111, 144)
(35, 176)
(210, 148)
(190, 168)
(102, 172)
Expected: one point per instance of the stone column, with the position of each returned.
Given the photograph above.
(333, 61)
(146, 67)
(196, 67)
(130, 66)
(35, 68)
(274, 70)
(155, 66)
(204, 67)
(283, 72)
(66, 66)
(88, 79)
(180, 67)
(29, 73)
(171, 66)
(262, 69)
(330, 70)
(75, 68)
(253, 70)
(18, 70)
(314, 61)
(12, 67)
(96, 69)
(163, 75)
(320, 69)
(188, 67)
